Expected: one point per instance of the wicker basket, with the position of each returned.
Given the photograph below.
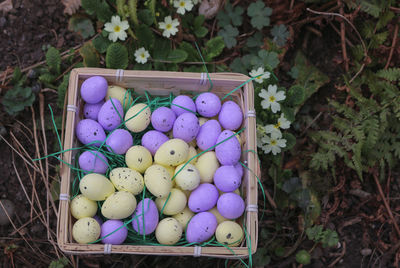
(162, 83)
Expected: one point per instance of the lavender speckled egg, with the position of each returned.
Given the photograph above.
(183, 101)
(162, 119)
(92, 161)
(98, 219)
(239, 169)
(119, 141)
(186, 127)
(230, 205)
(230, 116)
(91, 111)
(208, 104)
(228, 152)
(111, 114)
(149, 216)
(201, 227)
(88, 130)
(227, 179)
(203, 198)
(153, 139)
(94, 89)
(116, 238)
(208, 134)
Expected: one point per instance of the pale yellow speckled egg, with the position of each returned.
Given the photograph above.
(207, 164)
(192, 153)
(120, 94)
(184, 217)
(127, 179)
(172, 153)
(169, 231)
(86, 230)
(158, 181)
(119, 205)
(188, 178)
(82, 207)
(96, 187)
(137, 118)
(229, 233)
(202, 120)
(138, 158)
(176, 202)
(217, 215)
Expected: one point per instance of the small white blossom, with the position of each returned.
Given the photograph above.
(261, 75)
(273, 143)
(141, 55)
(271, 98)
(116, 28)
(283, 123)
(170, 26)
(183, 5)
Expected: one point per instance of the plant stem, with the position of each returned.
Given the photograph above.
(133, 12)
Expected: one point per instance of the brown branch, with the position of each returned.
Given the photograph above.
(343, 38)
(340, 256)
(396, 31)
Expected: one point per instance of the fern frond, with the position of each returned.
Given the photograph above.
(53, 60)
(391, 74)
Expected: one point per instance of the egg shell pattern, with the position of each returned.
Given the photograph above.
(162, 119)
(137, 118)
(88, 130)
(158, 181)
(230, 116)
(119, 205)
(175, 204)
(86, 230)
(153, 139)
(94, 89)
(230, 206)
(146, 211)
(208, 134)
(111, 114)
(116, 238)
(82, 207)
(120, 94)
(203, 198)
(207, 164)
(91, 110)
(229, 233)
(138, 158)
(229, 151)
(119, 141)
(201, 227)
(192, 153)
(126, 179)
(184, 217)
(96, 187)
(186, 127)
(188, 178)
(92, 161)
(172, 153)
(217, 215)
(208, 104)
(227, 179)
(169, 231)
(183, 101)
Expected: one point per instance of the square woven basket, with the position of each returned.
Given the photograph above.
(161, 84)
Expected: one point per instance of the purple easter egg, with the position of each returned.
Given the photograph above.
(98, 219)
(208, 134)
(111, 114)
(183, 101)
(88, 130)
(162, 119)
(230, 116)
(92, 161)
(91, 111)
(227, 179)
(119, 141)
(239, 169)
(203, 198)
(94, 89)
(230, 205)
(153, 139)
(186, 127)
(208, 104)
(116, 238)
(146, 212)
(229, 151)
(201, 227)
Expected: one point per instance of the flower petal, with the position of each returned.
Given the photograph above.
(265, 104)
(280, 96)
(272, 89)
(124, 25)
(275, 107)
(263, 94)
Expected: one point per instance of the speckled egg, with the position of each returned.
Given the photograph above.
(158, 181)
(138, 158)
(208, 134)
(111, 114)
(192, 153)
(119, 141)
(92, 161)
(217, 215)
(229, 233)
(109, 236)
(82, 207)
(230, 205)
(187, 177)
(86, 230)
(227, 179)
(172, 153)
(146, 212)
(120, 94)
(185, 102)
(186, 127)
(184, 217)
(207, 164)
(96, 187)
(201, 227)
(162, 119)
(203, 198)
(91, 110)
(119, 205)
(176, 202)
(208, 104)
(168, 231)
(89, 131)
(126, 179)
(94, 89)
(153, 139)
(229, 151)
(230, 116)
(137, 118)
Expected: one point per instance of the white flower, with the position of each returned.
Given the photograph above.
(195, 2)
(261, 75)
(273, 144)
(283, 123)
(183, 5)
(141, 55)
(271, 98)
(116, 28)
(169, 26)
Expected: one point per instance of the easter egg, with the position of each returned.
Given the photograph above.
(207, 164)
(82, 207)
(153, 139)
(138, 158)
(172, 153)
(96, 187)
(119, 141)
(146, 213)
(230, 116)
(201, 227)
(91, 110)
(89, 131)
(203, 198)
(94, 89)
(176, 202)
(168, 231)
(239, 169)
(230, 205)
(86, 230)
(183, 104)
(229, 151)
(119, 205)
(227, 179)
(113, 232)
(121, 94)
(192, 153)
(126, 179)
(158, 181)
(187, 177)
(184, 217)
(92, 161)
(229, 233)
(111, 114)
(186, 127)
(217, 215)
(208, 134)
(162, 119)
(208, 104)
(137, 118)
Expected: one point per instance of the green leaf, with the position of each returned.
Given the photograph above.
(230, 15)
(47, 78)
(145, 36)
(261, 258)
(314, 233)
(60, 263)
(146, 66)
(193, 69)
(89, 54)
(330, 239)
(193, 54)
(101, 43)
(265, 58)
(82, 25)
(295, 95)
(289, 113)
(162, 47)
(303, 257)
(177, 55)
(391, 74)
(255, 40)
(259, 14)
(18, 79)
(292, 185)
(55, 189)
(61, 90)
(201, 31)
(237, 66)
(294, 72)
(280, 34)
(229, 34)
(17, 98)
(89, 6)
(198, 21)
(117, 56)
(213, 48)
(53, 60)
(290, 140)
(146, 17)
(103, 11)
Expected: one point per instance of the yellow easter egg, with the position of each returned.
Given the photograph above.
(96, 187)
(138, 158)
(82, 207)
(217, 215)
(229, 233)
(207, 164)
(86, 230)
(127, 179)
(187, 177)
(137, 118)
(158, 181)
(184, 217)
(169, 231)
(121, 94)
(119, 205)
(172, 153)
(192, 152)
(176, 202)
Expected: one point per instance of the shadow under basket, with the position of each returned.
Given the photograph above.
(159, 83)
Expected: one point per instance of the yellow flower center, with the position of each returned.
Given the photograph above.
(182, 4)
(272, 99)
(117, 29)
(273, 142)
(169, 26)
(277, 125)
(142, 55)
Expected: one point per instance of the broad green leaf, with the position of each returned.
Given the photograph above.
(294, 72)
(201, 31)
(101, 43)
(17, 98)
(146, 16)
(230, 15)
(289, 113)
(292, 185)
(53, 60)
(303, 257)
(213, 48)
(162, 47)
(259, 14)
(280, 34)
(90, 56)
(117, 56)
(237, 66)
(290, 140)
(177, 55)
(330, 238)
(229, 34)
(103, 11)
(255, 40)
(193, 54)
(61, 90)
(315, 232)
(198, 21)
(89, 6)
(193, 69)
(145, 36)
(295, 95)
(139, 66)
(82, 25)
